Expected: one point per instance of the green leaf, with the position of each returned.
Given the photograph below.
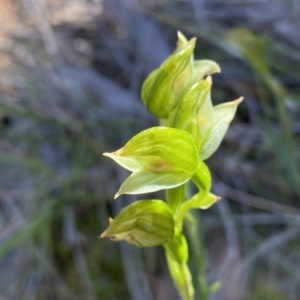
(144, 223)
(215, 287)
(251, 46)
(223, 115)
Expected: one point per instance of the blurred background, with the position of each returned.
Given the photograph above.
(70, 78)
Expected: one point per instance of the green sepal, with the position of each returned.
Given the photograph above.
(144, 223)
(182, 41)
(204, 200)
(223, 115)
(205, 116)
(142, 182)
(160, 157)
(185, 115)
(177, 248)
(204, 67)
(165, 86)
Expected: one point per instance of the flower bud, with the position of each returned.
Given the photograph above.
(164, 86)
(143, 223)
(159, 157)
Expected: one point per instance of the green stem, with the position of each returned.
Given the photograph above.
(182, 278)
(177, 249)
(198, 256)
(175, 196)
(182, 212)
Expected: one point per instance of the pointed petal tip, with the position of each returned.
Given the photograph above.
(106, 231)
(102, 235)
(208, 79)
(239, 100)
(192, 41)
(112, 154)
(180, 35)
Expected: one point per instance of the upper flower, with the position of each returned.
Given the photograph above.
(164, 86)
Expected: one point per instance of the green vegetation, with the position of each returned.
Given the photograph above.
(67, 100)
(162, 157)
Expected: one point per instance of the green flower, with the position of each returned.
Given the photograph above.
(167, 84)
(165, 87)
(159, 157)
(143, 223)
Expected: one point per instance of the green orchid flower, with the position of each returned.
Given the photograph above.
(165, 85)
(167, 157)
(144, 223)
(159, 157)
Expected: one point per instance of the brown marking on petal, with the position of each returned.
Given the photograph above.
(160, 166)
